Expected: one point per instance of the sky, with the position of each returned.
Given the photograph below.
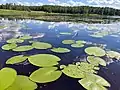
(96, 3)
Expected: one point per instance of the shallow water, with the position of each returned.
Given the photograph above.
(50, 32)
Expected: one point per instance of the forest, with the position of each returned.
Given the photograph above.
(63, 9)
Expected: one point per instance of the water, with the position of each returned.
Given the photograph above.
(50, 32)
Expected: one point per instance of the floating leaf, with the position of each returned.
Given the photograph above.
(68, 41)
(65, 33)
(26, 37)
(22, 83)
(41, 45)
(15, 40)
(96, 51)
(23, 48)
(80, 42)
(9, 46)
(94, 82)
(44, 60)
(7, 77)
(96, 61)
(60, 50)
(78, 71)
(113, 54)
(77, 45)
(96, 36)
(73, 71)
(45, 75)
(16, 59)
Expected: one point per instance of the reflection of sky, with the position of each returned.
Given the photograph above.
(11, 30)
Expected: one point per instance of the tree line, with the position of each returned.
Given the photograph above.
(63, 9)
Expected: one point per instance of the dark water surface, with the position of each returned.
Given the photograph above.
(51, 34)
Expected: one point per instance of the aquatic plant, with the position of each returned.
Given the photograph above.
(45, 75)
(94, 82)
(26, 37)
(113, 54)
(15, 40)
(23, 48)
(60, 50)
(41, 45)
(78, 71)
(68, 41)
(96, 51)
(22, 83)
(16, 59)
(65, 33)
(44, 60)
(77, 45)
(96, 61)
(7, 77)
(9, 46)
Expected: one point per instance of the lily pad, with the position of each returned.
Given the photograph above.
(96, 61)
(26, 37)
(65, 33)
(80, 42)
(60, 50)
(7, 77)
(77, 45)
(22, 83)
(68, 41)
(9, 46)
(41, 45)
(94, 82)
(96, 51)
(15, 40)
(44, 60)
(113, 54)
(23, 48)
(16, 59)
(80, 71)
(45, 75)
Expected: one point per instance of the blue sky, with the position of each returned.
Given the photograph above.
(100, 3)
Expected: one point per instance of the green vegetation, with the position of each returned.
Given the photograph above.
(40, 15)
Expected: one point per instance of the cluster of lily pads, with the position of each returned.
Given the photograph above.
(75, 44)
(49, 68)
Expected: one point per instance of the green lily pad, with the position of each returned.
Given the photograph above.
(96, 61)
(44, 60)
(80, 42)
(26, 37)
(96, 51)
(15, 40)
(79, 71)
(60, 50)
(96, 36)
(41, 45)
(7, 77)
(77, 45)
(22, 83)
(16, 59)
(9, 46)
(68, 41)
(65, 33)
(94, 82)
(45, 75)
(23, 48)
(113, 54)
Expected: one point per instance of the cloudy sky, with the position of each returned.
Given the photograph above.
(100, 3)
